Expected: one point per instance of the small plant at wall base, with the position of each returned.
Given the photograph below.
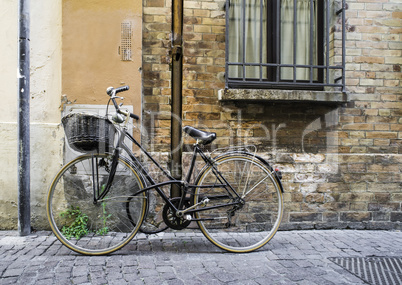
(79, 223)
(105, 229)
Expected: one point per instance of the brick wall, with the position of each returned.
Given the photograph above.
(344, 173)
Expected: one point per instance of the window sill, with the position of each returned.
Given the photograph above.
(282, 95)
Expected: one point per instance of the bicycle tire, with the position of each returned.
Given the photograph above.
(254, 223)
(95, 228)
(153, 222)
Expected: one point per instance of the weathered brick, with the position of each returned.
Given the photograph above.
(356, 158)
(359, 206)
(336, 206)
(382, 135)
(357, 177)
(371, 82)
(383, 168)
(356, 197)
(368, 59)
(357, 167)
(358, 127)
(305, 217)
(331, 217)
(315, 198)
(355, 216)
(384, 187)
(382, 197)
(381, 216)
(396, 217)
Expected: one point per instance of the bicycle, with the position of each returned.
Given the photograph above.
(98, 202)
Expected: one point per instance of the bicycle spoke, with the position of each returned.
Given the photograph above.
(254, 220)
(111, 222)
(255, 186)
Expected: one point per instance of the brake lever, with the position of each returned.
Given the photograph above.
(117, 97)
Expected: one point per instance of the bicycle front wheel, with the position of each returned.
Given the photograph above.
(89, 225)
(240, 222)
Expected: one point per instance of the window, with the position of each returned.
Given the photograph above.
(287, 44)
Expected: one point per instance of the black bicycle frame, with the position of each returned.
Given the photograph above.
(122, 133)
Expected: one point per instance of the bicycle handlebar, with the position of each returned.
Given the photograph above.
(111, 91)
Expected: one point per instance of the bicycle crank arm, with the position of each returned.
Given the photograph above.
(210, 219)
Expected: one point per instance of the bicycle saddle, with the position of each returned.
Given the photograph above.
(203, 137)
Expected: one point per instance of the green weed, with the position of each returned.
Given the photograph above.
(78, 223)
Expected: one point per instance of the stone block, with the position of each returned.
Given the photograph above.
(382, 197)
(384, 207)
(396, 217)
(315, 198)
(381, 216)
(305, 217)
(355, 216)
(330, 217)
(356, 197)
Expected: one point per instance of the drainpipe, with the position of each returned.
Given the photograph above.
(24, 204)
(176, 81)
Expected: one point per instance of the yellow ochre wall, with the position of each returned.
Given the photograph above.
(91, 59)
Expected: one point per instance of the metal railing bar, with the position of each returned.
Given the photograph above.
(256, 82)
(278, 44)
(343, 45)
(311, 39)
(244, 38)
(227, 8)
(327, 42)
(294, 39)
(286, 65)
(261, 37)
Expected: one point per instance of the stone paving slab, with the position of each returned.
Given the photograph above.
(291, 257)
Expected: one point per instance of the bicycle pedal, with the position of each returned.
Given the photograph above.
(188, 217)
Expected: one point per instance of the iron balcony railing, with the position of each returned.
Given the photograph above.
(325, 61)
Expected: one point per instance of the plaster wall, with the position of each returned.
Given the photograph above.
(46, 135)
(92, 48)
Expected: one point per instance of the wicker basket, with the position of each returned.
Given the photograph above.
(88, 133)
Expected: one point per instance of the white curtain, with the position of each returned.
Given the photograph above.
(302, 39)
(247, 50)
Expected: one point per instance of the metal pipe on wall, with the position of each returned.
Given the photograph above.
(176, 89)
(24, 203)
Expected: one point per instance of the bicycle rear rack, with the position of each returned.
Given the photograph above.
(252, 149)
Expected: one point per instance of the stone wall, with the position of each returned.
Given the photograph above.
(341, 163)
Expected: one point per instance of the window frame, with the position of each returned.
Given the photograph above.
(323, 66)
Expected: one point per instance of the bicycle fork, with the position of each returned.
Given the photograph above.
(100, 191)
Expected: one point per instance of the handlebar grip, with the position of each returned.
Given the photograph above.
(110, 91)
(134, 116)
(122, 88)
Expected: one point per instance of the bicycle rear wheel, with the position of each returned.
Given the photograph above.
(95, 228)
(249, 224)
(153, 222)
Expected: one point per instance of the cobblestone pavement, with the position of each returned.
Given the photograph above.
(291, 257)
